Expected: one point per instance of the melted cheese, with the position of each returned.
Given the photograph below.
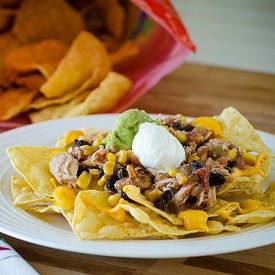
(64, 196)
(252, 205)
(194, 219)
(246, 207)
(117, 213)
(256, 169)
(71, 135)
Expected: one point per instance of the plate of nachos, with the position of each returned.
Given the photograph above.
(139, 185)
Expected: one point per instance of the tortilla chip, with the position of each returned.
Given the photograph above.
(87, 59)
(103, 98)
(147, 216)
(42, 102)
(23, 194)
(7, 43)
(238, 130)
(114, 18)
(215, 227)
(5, 21)
(44, 19)
(31, 81)
(43, 56)
(14, 101)
(126, 51)
(134, 194)
(56, 111)
(258, 216)
(90, 224)
(32, 162)
(269, 194)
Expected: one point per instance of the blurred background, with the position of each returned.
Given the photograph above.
(236, 33)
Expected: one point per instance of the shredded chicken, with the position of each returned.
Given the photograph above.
(63, 167)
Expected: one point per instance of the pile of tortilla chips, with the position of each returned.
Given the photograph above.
(57, 57)
(90, 215)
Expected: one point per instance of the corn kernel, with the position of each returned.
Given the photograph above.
(114, 199)
(193, 157)
(182, 137)
(172, 172)
(93, 171)
(98, 141)
(165, 126)
(181, 178)
(111, 157)
(249, 159)
(154, 194)
(108, 167)
(87, 150)
(232, 153)
(102, 180)
(84, 180)
(121, 156)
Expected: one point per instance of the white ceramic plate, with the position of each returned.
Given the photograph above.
(54, 231)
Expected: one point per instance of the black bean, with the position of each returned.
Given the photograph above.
(110, 183)
(82, 168)
(195, 165)
(231, 163)
(162, 200)
(122, 173)
(100, 173)
(188, 128)
(172, 207)
(216, 179)
(190, 201)
(80, 142)
(177, 126)
(124, 195)
(229, 169)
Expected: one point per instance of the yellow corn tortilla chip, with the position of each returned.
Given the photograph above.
(43, 56)
(103, 98)
(134, 194)
(238, 130)
(86, 59)
(32, 162)
(30, 81)
(14, 101)
(269, 194)
(56, 111)
(89, 223)
(215, 227)
(162, 225)
(258, 216)
(23, 194)
(44, 19)
(126, 51)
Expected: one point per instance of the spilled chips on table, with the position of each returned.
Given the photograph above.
(102, 205)
(71, 45)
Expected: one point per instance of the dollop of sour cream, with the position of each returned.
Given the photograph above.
(157, 149)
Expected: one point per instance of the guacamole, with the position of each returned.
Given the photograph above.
(125, 128)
